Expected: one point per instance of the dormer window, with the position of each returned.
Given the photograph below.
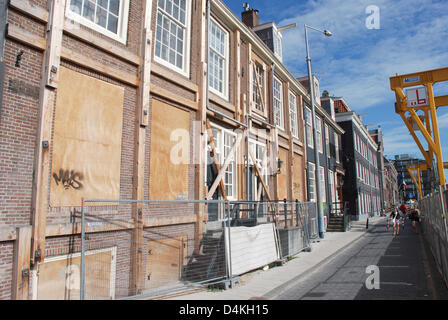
(277, 44)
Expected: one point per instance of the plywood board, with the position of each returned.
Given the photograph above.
(163, 262)
(59, 277)
(87, 140)
(283, 175)
(252, 247)
(169, 152)
(298, 188)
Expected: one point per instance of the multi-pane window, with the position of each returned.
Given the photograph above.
(319, 134)
(106, 16)
(336, 145)
(258, 150)
(293, 114)
(257, 86)
(218, 59)
(323, 192)
(309, 128)
(224, 140)
(171, 33)
(312, 181)
(277, 45)
(278, 103)
(327, 139)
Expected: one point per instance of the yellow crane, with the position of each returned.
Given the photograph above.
(419, 97)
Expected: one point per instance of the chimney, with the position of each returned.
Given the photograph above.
(250, 17)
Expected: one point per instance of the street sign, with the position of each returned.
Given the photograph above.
(417, 97)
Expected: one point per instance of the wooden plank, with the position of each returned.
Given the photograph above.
(100, 43)
(39, 43)
(168, 95)
(87, 140)
(26, 37)
(257, 171)
(170, 160)
(174, 77)
(41, 15)
(21, 264)
(215, 157)
(142, 115)
(164, 262)
(237, 74)
(8, 233)
(26, 7)
(84, 61)
(50, 71)
(224, 167)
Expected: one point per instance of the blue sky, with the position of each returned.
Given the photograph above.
(356, 62)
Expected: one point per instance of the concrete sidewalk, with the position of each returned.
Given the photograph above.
(268, 284)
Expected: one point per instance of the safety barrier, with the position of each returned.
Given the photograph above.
(146, 249)
(434, 229)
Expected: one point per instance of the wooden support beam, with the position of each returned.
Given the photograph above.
(224, 167)
(141, 121)
(50, 72)
(215, 157)
(21, 265)
(260, 176)
(36, 42)
(237, 74)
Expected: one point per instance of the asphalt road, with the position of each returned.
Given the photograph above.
(405, 270)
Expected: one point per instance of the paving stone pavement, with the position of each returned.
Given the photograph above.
(271, 283)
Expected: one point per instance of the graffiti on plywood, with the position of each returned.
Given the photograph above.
(69, 179)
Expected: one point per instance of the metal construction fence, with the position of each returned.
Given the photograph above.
(434, 228)
(146, 249)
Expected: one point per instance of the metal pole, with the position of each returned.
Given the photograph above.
(83, 252)
(230, 245)
(285, 212)
(316, 152)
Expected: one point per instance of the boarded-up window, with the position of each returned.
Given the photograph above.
(87, 140)
(170, 152)
(164, 262)
(59, 278)
(283, 176)
(298, 187)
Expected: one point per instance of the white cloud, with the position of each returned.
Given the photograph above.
(356, 62)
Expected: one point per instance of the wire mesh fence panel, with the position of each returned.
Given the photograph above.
(293, 232)
(151, 248)
(434, 230)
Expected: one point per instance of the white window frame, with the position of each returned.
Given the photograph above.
(122, 26)
(277, 39)
(332, 186)
(262, 164)
(320, 142)
(309, 128)
(219, 147)
(185, 71)
(323, 189)
(225, 93)
(278, 104)
(293, 118)
(327, 140)
(259, 71)
(312, 181)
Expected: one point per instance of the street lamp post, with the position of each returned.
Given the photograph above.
(316, 152)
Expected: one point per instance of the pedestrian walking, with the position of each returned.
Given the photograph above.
(415, 217)
(395, 217)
